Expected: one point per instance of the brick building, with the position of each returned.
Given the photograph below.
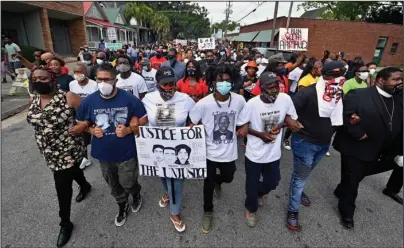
(56, 26)
(381, 43)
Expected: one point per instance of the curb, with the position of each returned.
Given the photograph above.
(15, 111)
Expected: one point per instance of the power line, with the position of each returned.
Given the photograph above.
(251, 11)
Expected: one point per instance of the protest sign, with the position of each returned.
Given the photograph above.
(113, 46)
(111, 33)
(182, 42)
(178, 152)
(206, 43)
(293, 39)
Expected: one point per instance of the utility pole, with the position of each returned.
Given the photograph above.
(227, 12)
(290, 13)
(274, 24)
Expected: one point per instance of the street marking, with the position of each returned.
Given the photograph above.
(14, 119)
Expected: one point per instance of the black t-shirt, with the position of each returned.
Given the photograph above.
(63, 81)
(248, 90)
(317, 130)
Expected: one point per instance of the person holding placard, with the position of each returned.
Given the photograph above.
(219, 113)
(168, 100)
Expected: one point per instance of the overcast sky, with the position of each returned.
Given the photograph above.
(240, 9)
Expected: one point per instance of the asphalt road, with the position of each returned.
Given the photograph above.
(30, 210)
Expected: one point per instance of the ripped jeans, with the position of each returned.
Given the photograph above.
(306, 156)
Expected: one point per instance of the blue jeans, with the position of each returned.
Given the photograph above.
(306, 156)
(178, 184)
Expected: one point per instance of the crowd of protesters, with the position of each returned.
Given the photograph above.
(299, 103)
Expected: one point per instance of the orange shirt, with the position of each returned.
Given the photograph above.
(156, 63)
(196, 92)
(283, 87)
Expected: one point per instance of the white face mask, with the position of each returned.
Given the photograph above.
(372, 71)
(79, 77)
(100, 61)
(258, 61)
(363, 75)
(105, 89)
(346, 67)
(88, 62)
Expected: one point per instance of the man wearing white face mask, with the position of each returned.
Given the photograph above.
(83, 86)
(106, 115)
(149, 75)
(372, 73)
(128, 80)
(101, 59)
(359, 81)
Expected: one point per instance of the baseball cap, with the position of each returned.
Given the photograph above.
(333, 68)
(165, 74)
(145, 61)
(277, 58)
(252, 64)
(268, 78)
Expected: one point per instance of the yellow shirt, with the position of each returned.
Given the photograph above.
(113, 63)
(307, 80)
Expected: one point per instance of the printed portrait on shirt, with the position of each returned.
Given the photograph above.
(108, 119)
(165, 115)
(224, 126)
(269, 120)
(183, 153)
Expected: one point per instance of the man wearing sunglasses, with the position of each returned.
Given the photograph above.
(101, 59)
(359, 80)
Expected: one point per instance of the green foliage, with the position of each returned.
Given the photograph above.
(380, 12)
(223, 25)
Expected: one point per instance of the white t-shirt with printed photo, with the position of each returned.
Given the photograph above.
(150, 78)
(83, 91)
(171, 113)
(263, 117)
(134, 84)
(220, 125)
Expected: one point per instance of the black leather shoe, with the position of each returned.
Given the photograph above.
(83, 192)
(65, 234)
(393, 196)
(347, 222)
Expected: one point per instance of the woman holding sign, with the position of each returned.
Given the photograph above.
(169, 108)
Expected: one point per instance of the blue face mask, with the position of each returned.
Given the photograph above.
(283, 72)
(222, 53)
(223, 87)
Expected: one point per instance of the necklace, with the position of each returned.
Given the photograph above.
(390, 115)
(217, 102)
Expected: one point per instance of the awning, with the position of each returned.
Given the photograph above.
(265, 35)
(101, 23)
(125, 27)
(246, 37)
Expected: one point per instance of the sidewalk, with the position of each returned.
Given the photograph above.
(12, 105)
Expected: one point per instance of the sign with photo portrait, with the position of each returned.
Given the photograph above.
(178, 152)
(206, 43)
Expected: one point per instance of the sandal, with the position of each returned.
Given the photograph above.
(178, 225)
(163, 202)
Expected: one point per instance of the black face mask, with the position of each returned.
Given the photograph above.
(158, 55)
(43, 88)
(209, 60)
(397, 89)
(171, 57)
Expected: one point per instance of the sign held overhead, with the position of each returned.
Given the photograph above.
(293, 39)
(206, 43)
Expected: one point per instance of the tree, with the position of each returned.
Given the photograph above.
(187, 18)
(141, 12)
(231, 25)
(380, 12)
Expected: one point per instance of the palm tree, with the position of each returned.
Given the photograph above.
(161, 25)
(141, 12)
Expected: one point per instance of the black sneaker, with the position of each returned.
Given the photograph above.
(293, 221)
(120, 218)
(137, 203)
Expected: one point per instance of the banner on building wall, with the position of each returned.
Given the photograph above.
(111, 33)
(178, 152)
(293, 39)
(113, 46)
(206, 43)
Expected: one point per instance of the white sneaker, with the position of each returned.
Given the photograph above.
(286, 145)
(83, 163)
(88, 163)
(328, 154)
